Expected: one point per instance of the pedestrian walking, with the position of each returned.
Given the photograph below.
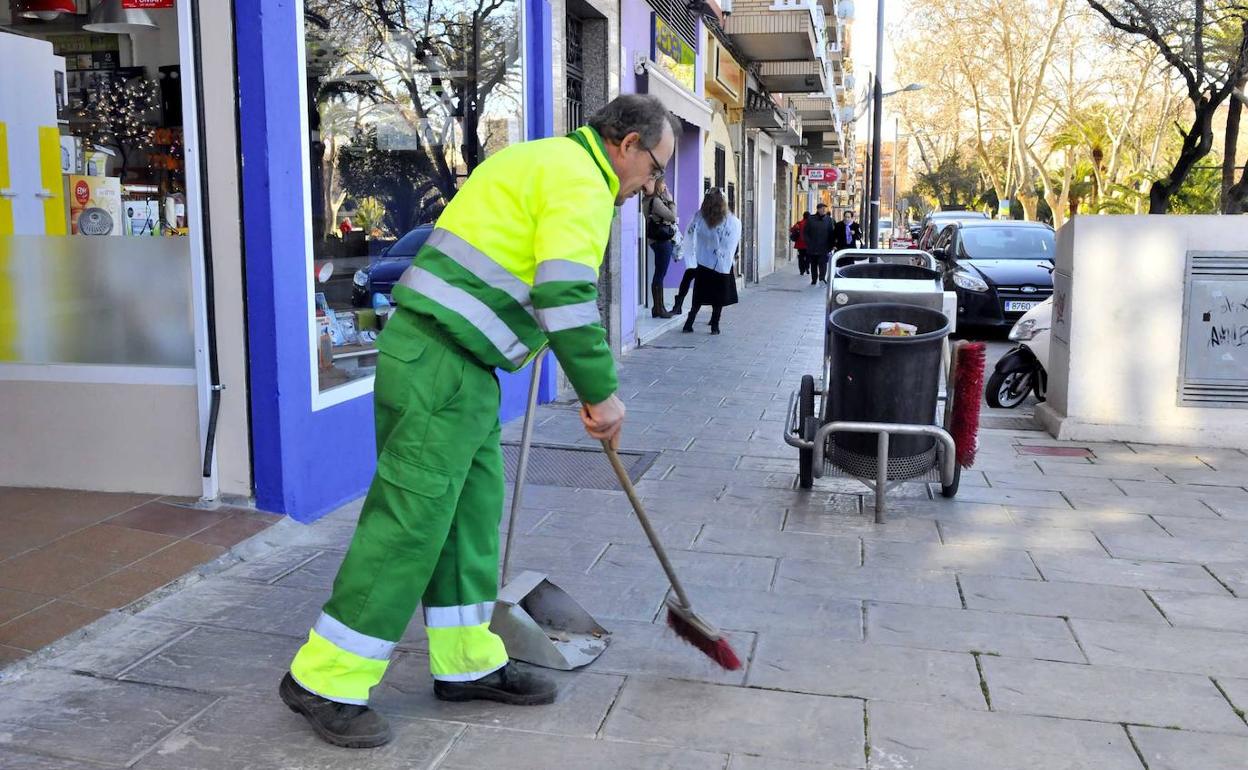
(846, 235)
(798, 237)
(689, 259)
(819, 232)
(511, 266)
(660, 211)
(714, 235)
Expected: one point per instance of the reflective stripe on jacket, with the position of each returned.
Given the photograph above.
(513, 262)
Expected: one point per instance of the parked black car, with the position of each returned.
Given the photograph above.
(1000, 269)
(934, 223)
(384, 271)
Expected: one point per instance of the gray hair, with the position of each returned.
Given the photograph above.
(634, 113)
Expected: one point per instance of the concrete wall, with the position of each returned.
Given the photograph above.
(1118, 320)
(106, 437)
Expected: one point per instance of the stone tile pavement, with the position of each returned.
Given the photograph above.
(1063, 612)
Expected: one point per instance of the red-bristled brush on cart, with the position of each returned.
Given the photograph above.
(968, 383)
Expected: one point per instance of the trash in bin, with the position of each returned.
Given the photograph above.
(895, 329)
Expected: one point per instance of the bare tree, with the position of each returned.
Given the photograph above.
(419, 77)
(1205, 44)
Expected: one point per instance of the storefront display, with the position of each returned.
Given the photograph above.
(402, 106)
(93, 154)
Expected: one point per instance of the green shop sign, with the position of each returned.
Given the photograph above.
(674, 55)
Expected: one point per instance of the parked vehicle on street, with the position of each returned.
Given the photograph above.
(999, 269)
(935, 222)
(1024, 369)
(384, 271)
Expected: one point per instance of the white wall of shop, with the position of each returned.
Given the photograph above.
(122, 429)
(107, 437)
(765, 204)
(1116, 358)
(220, 147)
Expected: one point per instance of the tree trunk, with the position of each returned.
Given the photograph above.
(1196, 145)
(1231, 204)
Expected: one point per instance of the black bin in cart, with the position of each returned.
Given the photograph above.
(879, 379)
(880, 397)
(888, 271)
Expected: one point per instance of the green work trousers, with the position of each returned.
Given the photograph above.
(428, 530)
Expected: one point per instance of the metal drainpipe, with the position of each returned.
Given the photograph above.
(214, 373)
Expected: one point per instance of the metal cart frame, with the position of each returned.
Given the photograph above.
(808, 438)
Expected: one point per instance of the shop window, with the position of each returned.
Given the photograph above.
(405, 99)
(95, 258)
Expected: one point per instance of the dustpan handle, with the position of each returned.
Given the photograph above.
(522, 464)
(627, 485)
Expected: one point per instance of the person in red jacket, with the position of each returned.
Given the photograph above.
(798, 237)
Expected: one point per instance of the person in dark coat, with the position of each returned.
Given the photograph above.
(714, 234)
(798, 237)
(819, 232)
(660, 213)
(847, 234)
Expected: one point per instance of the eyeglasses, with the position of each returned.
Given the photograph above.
(658, 171)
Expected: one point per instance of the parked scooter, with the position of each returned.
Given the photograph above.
(1023, 369)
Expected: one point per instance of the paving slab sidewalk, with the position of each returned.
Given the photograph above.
(1079, 612)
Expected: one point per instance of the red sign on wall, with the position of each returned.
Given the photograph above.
(147, 4)
(821, 174)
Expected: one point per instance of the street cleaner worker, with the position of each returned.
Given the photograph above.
(511, 266)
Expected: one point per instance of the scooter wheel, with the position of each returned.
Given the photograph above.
(1007, 390)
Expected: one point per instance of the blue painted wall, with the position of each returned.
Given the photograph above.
(307, 463)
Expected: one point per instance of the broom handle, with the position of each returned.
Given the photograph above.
(653, 536)
(522, 464)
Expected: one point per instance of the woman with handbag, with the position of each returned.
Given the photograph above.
(660, 213)
(714, 236)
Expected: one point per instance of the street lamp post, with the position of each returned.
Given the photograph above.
(877, 116)
(896, 139)
(864, 215)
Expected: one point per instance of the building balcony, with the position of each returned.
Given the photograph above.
(789, 134)
(779, 30)
(816, 112)
(793, 77)
(782, 124)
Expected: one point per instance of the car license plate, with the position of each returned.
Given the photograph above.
(1015, 306)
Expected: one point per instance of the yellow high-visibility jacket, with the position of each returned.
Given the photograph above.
(513, 262)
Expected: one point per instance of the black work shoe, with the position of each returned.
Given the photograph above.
(342, 724)
(510, 684)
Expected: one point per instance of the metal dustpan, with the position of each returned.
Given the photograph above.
(539, 622)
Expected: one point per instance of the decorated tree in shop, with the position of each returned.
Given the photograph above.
(115, 118)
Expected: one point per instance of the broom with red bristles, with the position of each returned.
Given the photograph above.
(680, 615)
(968, 383)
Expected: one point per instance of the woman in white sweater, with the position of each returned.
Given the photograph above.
(714, 235)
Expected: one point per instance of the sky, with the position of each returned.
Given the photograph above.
(863, 52)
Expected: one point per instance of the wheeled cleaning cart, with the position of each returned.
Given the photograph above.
(880, 412)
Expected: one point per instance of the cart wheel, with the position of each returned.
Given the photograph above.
(806, 457)
(805, 422)
(951, 490)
